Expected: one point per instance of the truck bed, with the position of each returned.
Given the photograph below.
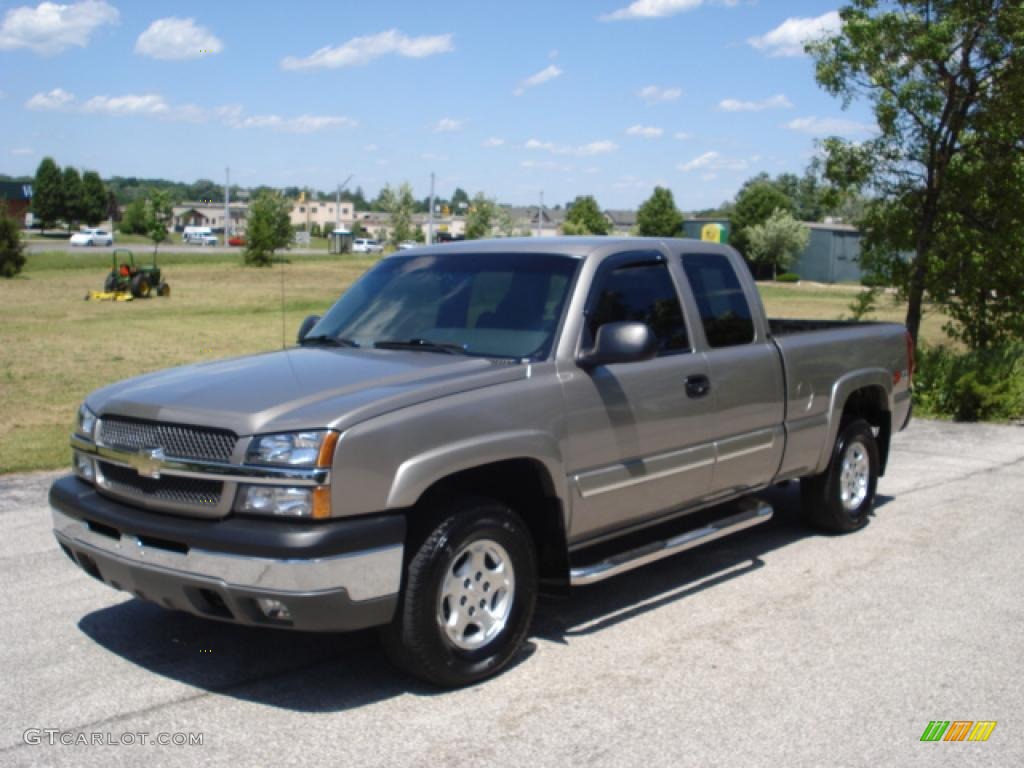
(785, 326)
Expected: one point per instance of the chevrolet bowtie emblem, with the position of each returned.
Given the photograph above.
(147, 462)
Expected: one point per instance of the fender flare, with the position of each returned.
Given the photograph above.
(841, 391)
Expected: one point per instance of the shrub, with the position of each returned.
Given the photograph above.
(787, 277)
(12, 250)
(983, 385)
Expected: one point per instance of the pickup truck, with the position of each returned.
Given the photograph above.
(472, 424)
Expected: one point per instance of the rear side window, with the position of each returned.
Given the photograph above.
(723, 307)
(641, 293)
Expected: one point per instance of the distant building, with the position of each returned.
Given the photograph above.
(524, 219)
(623, 222)
(17, 196)
(831, 256)
(323, 213)
(695, 228)
(209, 214)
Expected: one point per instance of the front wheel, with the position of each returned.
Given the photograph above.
(469, 596)
(841, 498)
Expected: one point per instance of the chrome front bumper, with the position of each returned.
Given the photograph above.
(339, 592)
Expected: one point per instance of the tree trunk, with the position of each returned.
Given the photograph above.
(915, 295)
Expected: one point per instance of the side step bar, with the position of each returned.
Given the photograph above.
(753, 512)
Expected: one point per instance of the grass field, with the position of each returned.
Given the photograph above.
(55, 347)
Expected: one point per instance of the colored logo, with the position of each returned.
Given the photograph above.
(958, 730)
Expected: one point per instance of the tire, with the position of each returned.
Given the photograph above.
(481, 550)
(141, 287)
(842, 497)
(163, 290)
(110, 284)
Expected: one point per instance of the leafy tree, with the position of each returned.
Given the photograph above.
(658, 215)
(503, 221)
(585, 218)
(358, 230)
(755, 203)
(74, 205)
(48, 193)
(12, 249)
(269, 229)
(94, 199)
(777, 240)
(134, 220)
(480, 219)
(204, 189)
(158, 215)
(944, 79)
(314, 230)
(400, 204)
(460, 201)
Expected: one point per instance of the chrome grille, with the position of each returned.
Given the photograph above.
(169, 488)
(176, 440)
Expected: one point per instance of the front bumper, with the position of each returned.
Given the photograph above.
(330, 575)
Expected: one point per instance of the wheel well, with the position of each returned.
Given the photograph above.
(525, 486)
(872, 405)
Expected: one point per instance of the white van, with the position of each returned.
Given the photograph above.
(199, 236)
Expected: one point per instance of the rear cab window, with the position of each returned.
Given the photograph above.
(724, 309)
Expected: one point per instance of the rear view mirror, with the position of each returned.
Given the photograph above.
(307, 326)
(620, 343)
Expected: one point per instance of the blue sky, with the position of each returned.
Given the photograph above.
(603, 97)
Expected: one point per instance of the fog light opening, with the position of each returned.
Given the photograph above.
(274, 610)
(84, 467)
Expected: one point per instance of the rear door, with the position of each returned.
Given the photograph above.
(638, 442)
(746, 376)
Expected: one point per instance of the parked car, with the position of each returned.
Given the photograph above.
(199, 236)
(407, 245)
(364, 245)
(469, 425)
(237, 241)
(92, 237)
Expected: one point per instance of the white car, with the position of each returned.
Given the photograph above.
(364, 245)
(407, 245)
(92, 237)
(201, 240)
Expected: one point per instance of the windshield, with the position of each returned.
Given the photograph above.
(491, 304)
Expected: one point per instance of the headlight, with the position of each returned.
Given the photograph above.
(285, 502)
(293, 449)
(86, 422)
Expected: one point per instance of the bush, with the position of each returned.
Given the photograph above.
(12, 250)
(984, 385)
(787, 277)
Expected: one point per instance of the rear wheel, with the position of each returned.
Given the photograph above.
(469, 596)
(141, 289)
(841, 498)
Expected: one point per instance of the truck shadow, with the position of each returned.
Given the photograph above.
(335, 672)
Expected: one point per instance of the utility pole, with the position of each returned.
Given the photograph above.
(337, 202)
(227, 204)
(430, 213)
(540, 212)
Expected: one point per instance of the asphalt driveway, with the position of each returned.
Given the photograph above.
(776, 647)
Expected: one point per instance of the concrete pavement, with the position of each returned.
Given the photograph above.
(775, 647)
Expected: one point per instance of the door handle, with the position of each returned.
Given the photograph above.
(697, 386)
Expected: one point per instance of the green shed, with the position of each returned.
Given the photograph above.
(831, 256)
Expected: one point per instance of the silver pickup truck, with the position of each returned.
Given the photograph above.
(471, 424)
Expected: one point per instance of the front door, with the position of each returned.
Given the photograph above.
(641, 438)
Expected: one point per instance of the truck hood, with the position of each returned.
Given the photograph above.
(300, 388)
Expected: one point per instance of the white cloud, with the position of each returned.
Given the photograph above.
(789, 37)
(713, 161)
(545, 165)
(829, 126)
(646, 131)
(654, 94)
(494, 141)
(651, 9)
(361, 50)
(370, 148)
(50, 27)
(233, 116)
(58, 98)
(21, 151)
(549, 72)
(174, 38)
(131, 104)
(682, 136)
(772, 102)
(447, 125)
(581, 150)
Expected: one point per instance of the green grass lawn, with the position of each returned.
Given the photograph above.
(55, 348)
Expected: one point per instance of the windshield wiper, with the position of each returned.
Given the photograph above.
(332, 341)
(425, 344)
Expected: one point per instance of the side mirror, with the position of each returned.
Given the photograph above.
(620, 343)
(307, 326)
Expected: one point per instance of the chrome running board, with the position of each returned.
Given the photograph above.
(753, 512)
